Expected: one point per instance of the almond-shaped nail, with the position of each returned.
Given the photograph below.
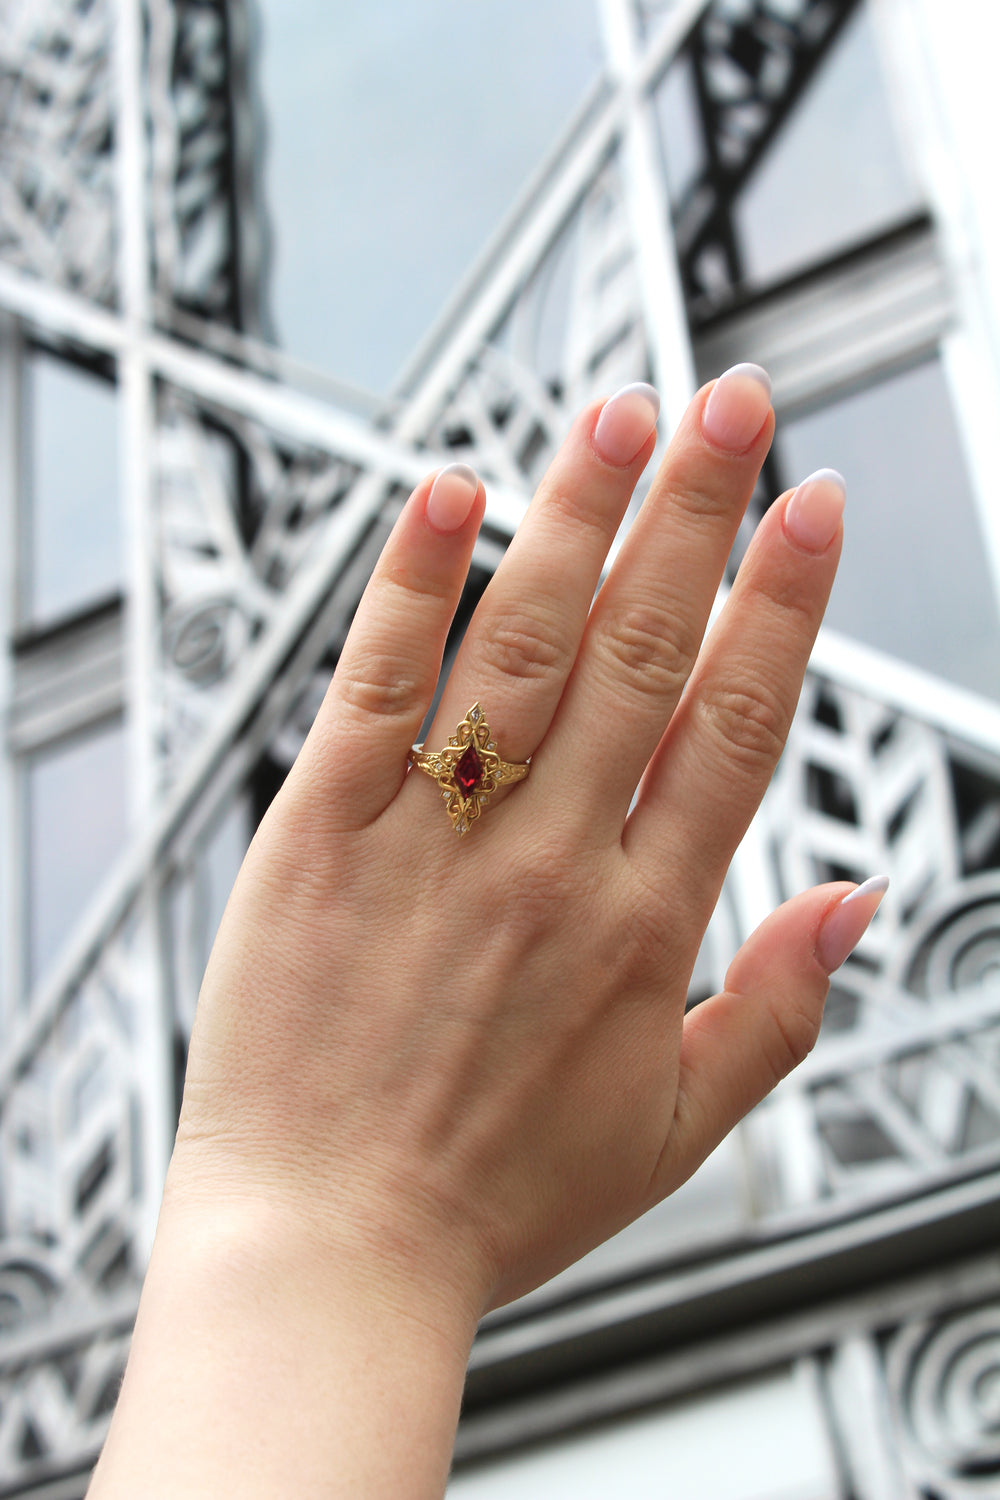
(813, 514)
(847, 923)
(451, 497)
(625, 423)
(736, 408)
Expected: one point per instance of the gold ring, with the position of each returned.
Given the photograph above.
(468, 770)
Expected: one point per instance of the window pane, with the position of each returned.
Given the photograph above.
(835, 174)
(397, 137)
(76, 826)
(76, 531)
(914, 579)
(760, 1439)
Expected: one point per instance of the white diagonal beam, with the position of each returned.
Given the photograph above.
(648, 210)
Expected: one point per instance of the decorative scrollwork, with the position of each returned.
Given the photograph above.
(205, 638)
(945, 1379)
(954, 944)
(468, 770)
(29, 1283)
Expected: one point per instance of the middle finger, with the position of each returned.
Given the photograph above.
(647, 623)
(525, 632)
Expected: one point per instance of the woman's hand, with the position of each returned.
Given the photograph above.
(449, 1066)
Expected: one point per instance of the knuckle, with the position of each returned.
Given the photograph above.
(537, 892)
(652, 648)
(584, 512)
(380, 693)
(793, 1036)
(702, 501)
(523, 646)
(402, 585)
(750, 723)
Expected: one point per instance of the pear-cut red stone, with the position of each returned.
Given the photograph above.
(468, 771)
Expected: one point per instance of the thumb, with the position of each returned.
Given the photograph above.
(740, 1043)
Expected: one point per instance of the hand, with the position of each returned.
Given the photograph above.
(475, 1049)
(427, 1072)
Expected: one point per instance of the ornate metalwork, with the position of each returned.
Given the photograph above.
(750, 65)
(209, 231)
(943, 1374)
(57, 191)
(911, 1402)
(55, 1402)
(572, 330)
(905, 1082)
(238, 511)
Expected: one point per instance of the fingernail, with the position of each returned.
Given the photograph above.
(813, 514)
(625, 423)
(737, 405)
(847, 924)
(451, 497)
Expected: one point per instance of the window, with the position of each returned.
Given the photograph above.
(76, 825)
(914, 579)
(75, 542)
(835, 175)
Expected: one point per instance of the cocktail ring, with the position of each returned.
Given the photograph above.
(468, 770)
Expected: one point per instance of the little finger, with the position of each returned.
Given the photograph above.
(739, 1044)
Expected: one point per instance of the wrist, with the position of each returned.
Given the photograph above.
(327, 1254)
(251, 1331)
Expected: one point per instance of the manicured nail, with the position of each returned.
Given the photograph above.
(451, 497)
(737, 405)
(625, 423)
(847, 924)
(812, 515)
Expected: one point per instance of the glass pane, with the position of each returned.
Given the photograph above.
(198, 904)
(76, 826)
(835, 175)
(760, 1439)
(681, 138)
(75, 524)
(914, 579)
(397, 137)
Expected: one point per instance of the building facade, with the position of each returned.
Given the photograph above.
(803, 183)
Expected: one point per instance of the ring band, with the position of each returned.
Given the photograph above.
(468, 770)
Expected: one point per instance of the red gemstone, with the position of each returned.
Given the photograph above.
(468, 772)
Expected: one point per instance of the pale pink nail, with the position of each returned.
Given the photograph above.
(625, 422)
(451, 497)
(813, 514)
(847, 924)
(736, 408)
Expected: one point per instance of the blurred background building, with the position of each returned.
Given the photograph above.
(263, 263)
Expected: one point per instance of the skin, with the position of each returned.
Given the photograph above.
(426, 1074)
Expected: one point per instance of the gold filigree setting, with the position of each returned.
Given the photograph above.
(468, 770)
